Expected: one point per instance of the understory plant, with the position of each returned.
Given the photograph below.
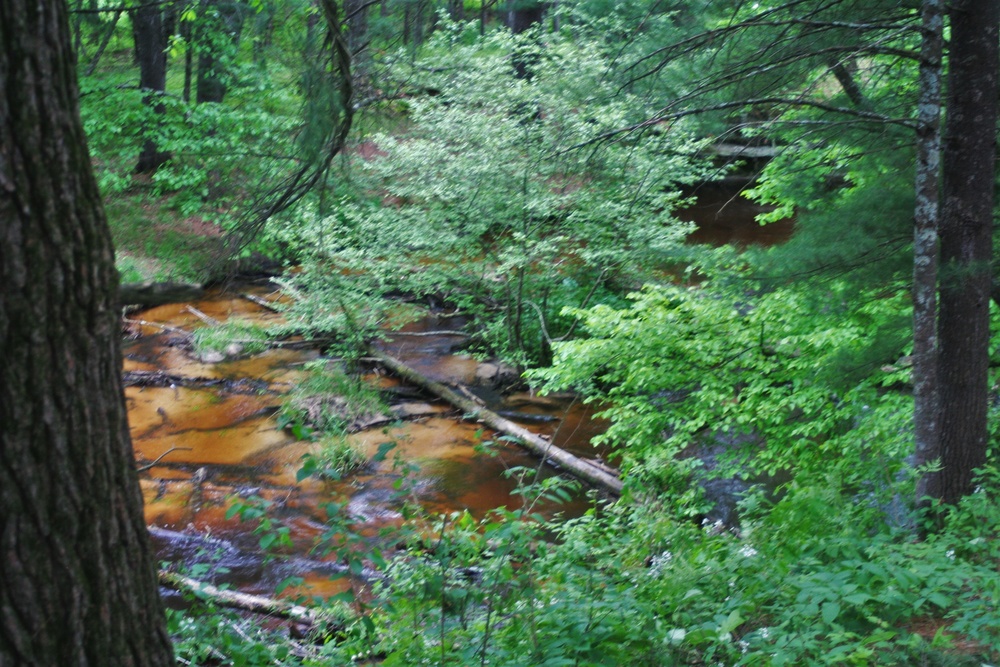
(804, 582)
(773, 383)
(496, 199)
(326, 405)
(234, 337)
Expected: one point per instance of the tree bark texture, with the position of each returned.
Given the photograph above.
(77, 578)
(968, 161)
(151, 53)
(926, 397)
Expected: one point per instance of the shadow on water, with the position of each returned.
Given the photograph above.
(724, 216)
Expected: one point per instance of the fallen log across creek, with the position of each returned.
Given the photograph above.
(257, 604)
(585, 470)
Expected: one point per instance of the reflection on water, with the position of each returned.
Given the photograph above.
(725, 217)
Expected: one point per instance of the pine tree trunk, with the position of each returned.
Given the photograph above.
(78, 584)
(968, 161)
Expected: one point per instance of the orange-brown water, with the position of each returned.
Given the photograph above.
(205, 446)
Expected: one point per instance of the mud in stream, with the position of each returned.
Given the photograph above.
(206, 437)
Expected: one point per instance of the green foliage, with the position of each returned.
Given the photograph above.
(206, 637)
(489, 204)
(272, 533)
(330, 400)
(231, 338)
(524, 203)
(699, 367)
(334, 457)
(806, 582)
(206, 141)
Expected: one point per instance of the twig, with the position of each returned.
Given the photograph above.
(158, 458)
(207, 319)
(165, 327)
(263, 303)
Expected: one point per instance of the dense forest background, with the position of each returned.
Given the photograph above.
(528, 165)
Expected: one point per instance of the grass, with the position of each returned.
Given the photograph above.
(249, 338)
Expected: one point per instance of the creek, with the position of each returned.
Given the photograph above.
(206, 435)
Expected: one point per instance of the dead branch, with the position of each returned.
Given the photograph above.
(581, 468)
(207, 319)
(257, 604)
(160, 457)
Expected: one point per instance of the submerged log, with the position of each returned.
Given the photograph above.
(161, 379)
(585, 470)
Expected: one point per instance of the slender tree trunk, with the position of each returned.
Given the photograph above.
(151, 52)
(78, 586)
(112, 26)
(188, 33)
(356, 18)
(926, 398)
(968, 160)
(222, 25)
(521, 16)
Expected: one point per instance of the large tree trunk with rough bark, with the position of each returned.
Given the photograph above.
(78, 584)
(966, 225)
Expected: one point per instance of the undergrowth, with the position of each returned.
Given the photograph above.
(325, 406)
(628, 583)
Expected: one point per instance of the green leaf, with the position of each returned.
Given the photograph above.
(829, 612)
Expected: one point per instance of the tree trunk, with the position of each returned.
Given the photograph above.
(966, 225)
(78, 585)
(219, 35)
(926, 399)
(356, 18)
(522, 15)
(102, 47)
(151, 53)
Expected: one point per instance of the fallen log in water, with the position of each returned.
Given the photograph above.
(161, 379)
(257, 604)
(585, 470)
